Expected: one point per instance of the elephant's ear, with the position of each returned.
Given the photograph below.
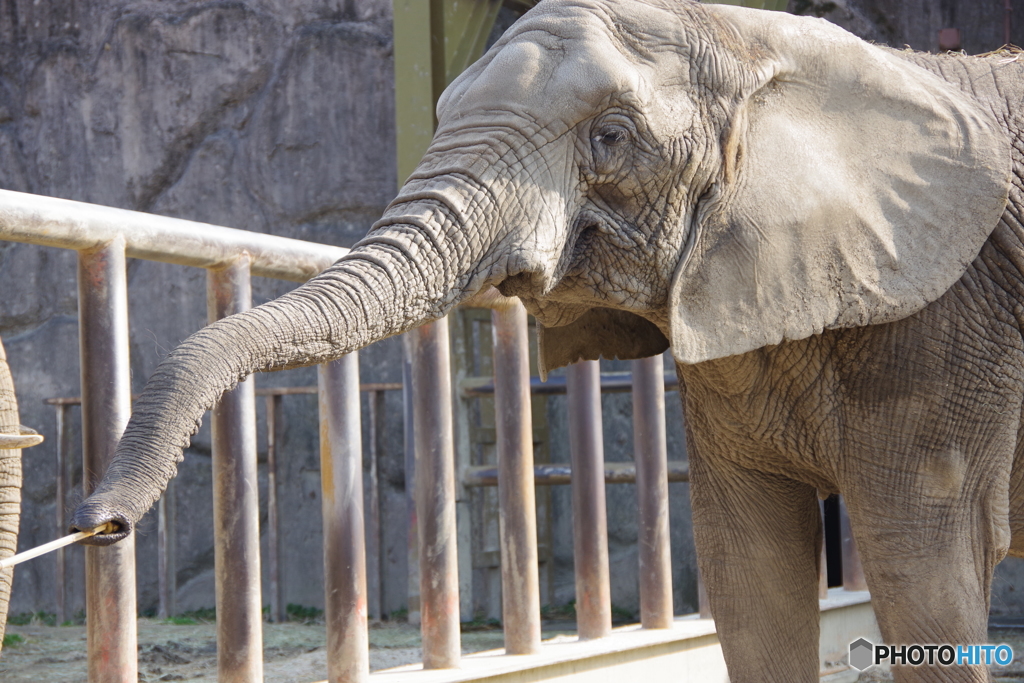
(857, 188)
(600, 332)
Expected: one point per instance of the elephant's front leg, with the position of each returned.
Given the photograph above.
(758, 538)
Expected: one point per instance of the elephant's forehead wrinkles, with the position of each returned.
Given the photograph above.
(528, 79)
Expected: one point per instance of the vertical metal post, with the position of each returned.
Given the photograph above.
(106, 405)
(61, 497)
(412, 553)
(435, 496)
(517, 527)
(823, 560)
(589, 516)
(651, 456)
(163, 578)
(273, 403)
(165, 552)
(853, 570)
(235, 503)
(372, 507)
(341, 472)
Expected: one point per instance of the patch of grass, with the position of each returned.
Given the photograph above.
(479, 623)
(12, 639)
(566, 612)
(205, 615)
(303, 614)
(621, 615)
(33, 619)
(399, 615)
(78, 619)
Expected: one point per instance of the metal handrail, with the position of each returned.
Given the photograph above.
(104, 237)
(67, 224)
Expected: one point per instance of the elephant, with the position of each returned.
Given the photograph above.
(13, 437)
(827, 235)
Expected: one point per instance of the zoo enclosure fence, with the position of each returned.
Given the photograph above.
(104, 237)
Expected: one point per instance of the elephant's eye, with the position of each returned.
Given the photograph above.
(610, 136)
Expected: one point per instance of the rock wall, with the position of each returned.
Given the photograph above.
(916, 23)
(271, 116)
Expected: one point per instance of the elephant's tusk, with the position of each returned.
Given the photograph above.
(54, 545)
(25, 438)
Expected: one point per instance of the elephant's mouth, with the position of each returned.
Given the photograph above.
(572, 287)
(583, 236)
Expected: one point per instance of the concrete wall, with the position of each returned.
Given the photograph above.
(274, 116)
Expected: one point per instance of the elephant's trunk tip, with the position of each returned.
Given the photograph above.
(93, 513)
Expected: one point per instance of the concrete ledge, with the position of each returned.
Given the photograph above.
(689, 651)
(845, 617)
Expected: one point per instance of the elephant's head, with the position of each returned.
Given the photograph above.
(641, 175)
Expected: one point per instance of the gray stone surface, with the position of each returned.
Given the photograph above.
(273, 116)
(916, 23)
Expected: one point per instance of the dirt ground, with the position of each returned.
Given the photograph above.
(293, 652)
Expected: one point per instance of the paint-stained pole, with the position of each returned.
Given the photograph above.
(589, 514)
(435, 495)
(341, 472)
(106, 405)
(651, 455)
(520, 585)
(236, 511)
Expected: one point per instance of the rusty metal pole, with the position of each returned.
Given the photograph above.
(853, 570)
(341, 472)
(273, 403)
(236, 512)
(412, 549)
(651, 455)
(435, 495)
(589, 516)
(371, 498)
(106, 405)
(823, 559)
(163, 529)
(61, 497)
(520, 585)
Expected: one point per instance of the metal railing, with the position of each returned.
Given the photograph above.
(104, 237)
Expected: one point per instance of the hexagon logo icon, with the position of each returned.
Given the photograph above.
(861, 654)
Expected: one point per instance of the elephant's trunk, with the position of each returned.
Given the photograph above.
(413, 267)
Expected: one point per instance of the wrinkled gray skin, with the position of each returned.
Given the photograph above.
(826, 234)
(10, 485)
